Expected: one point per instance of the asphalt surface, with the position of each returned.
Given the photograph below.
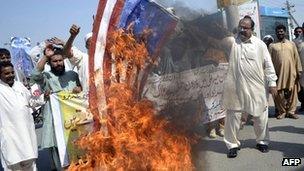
(287, 141)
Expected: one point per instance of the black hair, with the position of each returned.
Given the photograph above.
(280, 26)
(298, 28)
(58, 51)
(251, 20)
(5, 51)
(5, 64)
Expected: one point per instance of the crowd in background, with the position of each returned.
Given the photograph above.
(58, 66)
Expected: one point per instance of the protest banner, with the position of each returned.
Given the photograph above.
(204, 84)
(72, 119)
(20, 48)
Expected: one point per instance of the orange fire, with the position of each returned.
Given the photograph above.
(135, 137)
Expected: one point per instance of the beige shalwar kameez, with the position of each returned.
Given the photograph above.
(287, 65)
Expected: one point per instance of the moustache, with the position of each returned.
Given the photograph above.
(243, 32)
(10, 79)
(59, 67)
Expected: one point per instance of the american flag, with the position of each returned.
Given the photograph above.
(115, 14)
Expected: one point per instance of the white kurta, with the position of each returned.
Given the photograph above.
(17, 135)
(81, 61)
(250, 73)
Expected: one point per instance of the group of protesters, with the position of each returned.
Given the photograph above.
(257, 68)
(253, 65)
(61, 67)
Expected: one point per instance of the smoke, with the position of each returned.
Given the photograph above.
(188, 46)
(183, 11)
(187, 84)
(193, 47)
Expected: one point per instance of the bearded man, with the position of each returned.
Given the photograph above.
(55, 80)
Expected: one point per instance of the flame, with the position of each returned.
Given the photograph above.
(135, 138)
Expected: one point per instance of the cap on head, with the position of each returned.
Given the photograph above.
(268, 37)
(87, 36)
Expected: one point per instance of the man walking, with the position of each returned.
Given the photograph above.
(250, 72)
(288, 67)
(78, 58)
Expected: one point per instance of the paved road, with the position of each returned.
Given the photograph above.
(287, 141)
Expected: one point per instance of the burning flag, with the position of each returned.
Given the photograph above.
(127, 37)
(114, 14)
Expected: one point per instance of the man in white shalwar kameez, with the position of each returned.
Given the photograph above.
(250, 74)
(79, 58)
(19, 149)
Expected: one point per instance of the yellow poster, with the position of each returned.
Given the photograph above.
(72, 119)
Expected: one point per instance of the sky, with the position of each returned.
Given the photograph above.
(298, 9)
(40, 20)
